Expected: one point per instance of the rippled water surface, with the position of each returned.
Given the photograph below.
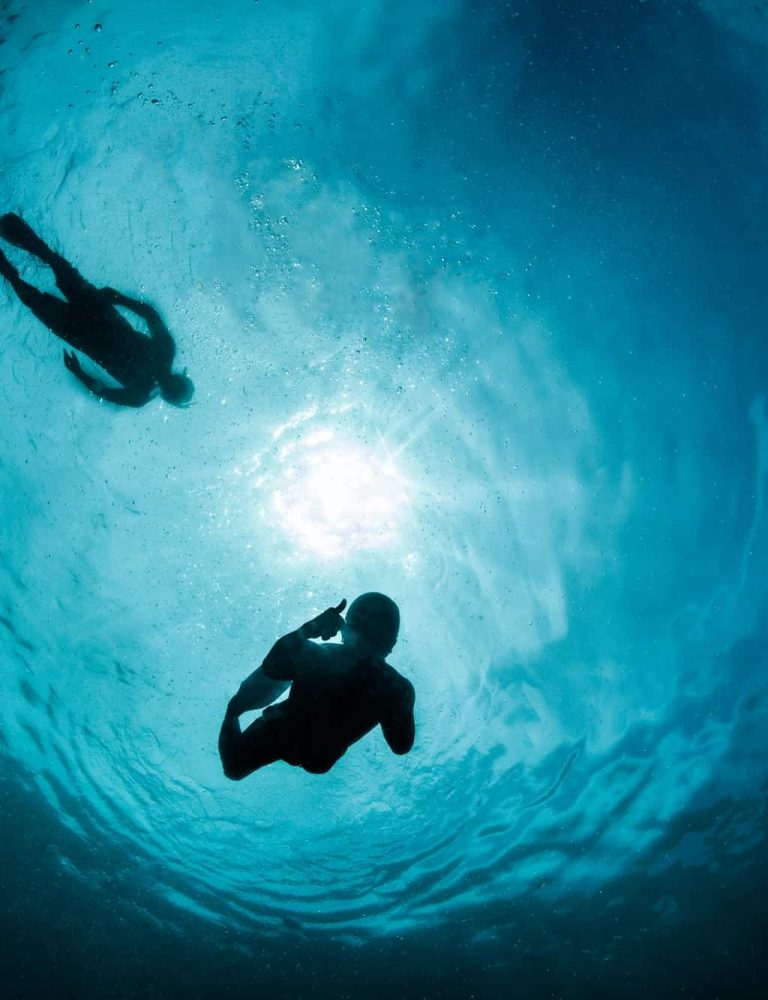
(472, 299)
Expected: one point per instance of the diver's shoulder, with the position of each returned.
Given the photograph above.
(399, 684)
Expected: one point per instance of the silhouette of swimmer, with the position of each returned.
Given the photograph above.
(89, 322)
(338, 693)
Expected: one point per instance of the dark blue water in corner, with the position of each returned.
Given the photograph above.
(473, 299)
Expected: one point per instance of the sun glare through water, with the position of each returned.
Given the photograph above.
(331, 494)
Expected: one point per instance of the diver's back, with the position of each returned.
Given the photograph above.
(334, 703)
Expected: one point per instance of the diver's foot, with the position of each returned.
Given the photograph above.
(15, 230)
(6, 268)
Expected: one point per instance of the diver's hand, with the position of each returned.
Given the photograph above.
(71, 362)
(327, 624)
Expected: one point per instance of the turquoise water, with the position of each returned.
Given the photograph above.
(472, 299)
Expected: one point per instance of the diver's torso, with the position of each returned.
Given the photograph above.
(336, 699)
(100, 331)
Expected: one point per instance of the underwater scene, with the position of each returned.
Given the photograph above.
(458, 302)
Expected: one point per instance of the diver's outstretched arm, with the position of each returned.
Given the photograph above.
(398, 724)
(122, 397)
(135, 305)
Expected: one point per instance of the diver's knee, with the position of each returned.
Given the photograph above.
(323, 768)
(233, 772)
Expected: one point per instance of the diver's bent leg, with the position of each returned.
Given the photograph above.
(7, 269)
(15, 230)
(242, 753)
(49, 310)
(68, 279)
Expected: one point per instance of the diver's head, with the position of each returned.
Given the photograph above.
(176, 389)
(373, 620)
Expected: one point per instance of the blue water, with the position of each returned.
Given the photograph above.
(473, 299)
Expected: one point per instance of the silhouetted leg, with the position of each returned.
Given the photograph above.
(16, 231)
(48, 309)
(243, 752)
(6, 268)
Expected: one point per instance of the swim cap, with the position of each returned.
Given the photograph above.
(376, 619)
(176, 389)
